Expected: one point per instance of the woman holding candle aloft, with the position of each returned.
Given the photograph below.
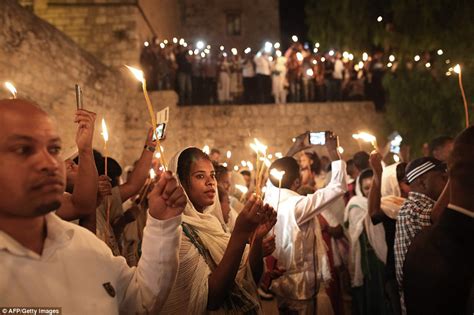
(217, 270)
(298, 248)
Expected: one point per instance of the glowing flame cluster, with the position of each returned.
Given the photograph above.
(364, 136)
(243, 189)
(278, 175)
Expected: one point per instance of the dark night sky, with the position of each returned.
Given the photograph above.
(292, 20)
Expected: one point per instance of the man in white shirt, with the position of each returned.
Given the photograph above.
(263, 68)
(48, 262)
(296, 243)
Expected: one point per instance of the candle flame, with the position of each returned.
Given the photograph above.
(229, 154)
(152, 173)
(137, 73)
(104, 133)
(250, 165)
(242, 189)
(457, 69)
(244, 163)
(11, 88)
(278, 175)
(260, 146)
(364, 136)
(206, 149)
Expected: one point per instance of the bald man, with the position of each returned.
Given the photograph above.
(48, 262)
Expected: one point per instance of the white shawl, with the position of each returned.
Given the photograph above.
(390, 192)
(357, 214)
(190, 292)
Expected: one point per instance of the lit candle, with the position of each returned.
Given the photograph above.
(107, 204)
(278, 175)
(140, 77)
(457, 69)
(243, 189)
(10, 87)
(105, 135)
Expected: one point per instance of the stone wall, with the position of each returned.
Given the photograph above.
(112, 30)
(233, 127)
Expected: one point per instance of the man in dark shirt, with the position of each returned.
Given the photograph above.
(439, 265)
(184, 76)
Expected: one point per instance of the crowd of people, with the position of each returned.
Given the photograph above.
(82, 234)
(211, 75)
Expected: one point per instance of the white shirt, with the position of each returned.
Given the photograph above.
(338, 69)
(295, 233)
(74, 267)
(262, 65)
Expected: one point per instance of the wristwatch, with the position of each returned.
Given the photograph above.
(149, 148)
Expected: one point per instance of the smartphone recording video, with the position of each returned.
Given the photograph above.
(317, 138)
(160, 131)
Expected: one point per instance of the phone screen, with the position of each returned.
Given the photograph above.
(160, 131)
(317, 138)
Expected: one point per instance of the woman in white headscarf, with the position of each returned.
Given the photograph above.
(368, 252)
(387, 195)
(217, 271)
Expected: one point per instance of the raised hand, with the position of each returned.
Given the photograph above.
(85, 131)
(375, 161)
(269, 219)
(301, 143)
(250, 217)
(167, 199)
(332, 143)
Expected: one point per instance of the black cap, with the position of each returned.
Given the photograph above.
(421, 166)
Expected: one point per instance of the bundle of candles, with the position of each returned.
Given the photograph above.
(261, 163)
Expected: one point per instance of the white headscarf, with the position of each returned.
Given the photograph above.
(357, 214)
(209, 225)
(390, 191)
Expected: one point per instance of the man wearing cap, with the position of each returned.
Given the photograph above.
(438, 269)
(427, 178)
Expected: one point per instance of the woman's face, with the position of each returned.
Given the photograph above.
(366, 184)
(305, 162)
(202, 184)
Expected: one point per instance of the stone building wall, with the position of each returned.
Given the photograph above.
(207, 20)
(112, 30)
(233, 127)
(44, 64)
